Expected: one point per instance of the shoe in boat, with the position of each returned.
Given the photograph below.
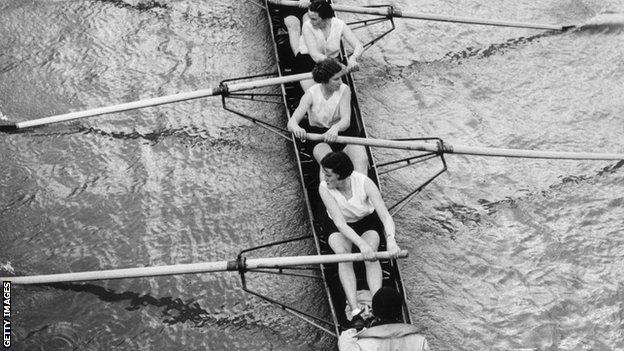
(357, 322)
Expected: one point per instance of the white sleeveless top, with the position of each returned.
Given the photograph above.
(324, 113)
(359, 205)
(329, 47)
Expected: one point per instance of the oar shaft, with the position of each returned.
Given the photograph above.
(395, 12)
(276, 262)
(163, 100)
(269, 81)
(559, 155)
(121, 273)
(389, 144)
(118, 108)
(206, 267)
(470, 150)
(442, 18)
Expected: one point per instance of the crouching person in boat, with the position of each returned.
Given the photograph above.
(387, 332)
(359, 214)
(328, 108)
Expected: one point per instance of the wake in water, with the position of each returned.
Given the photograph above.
(605, 23)
(6, 267)
(137, 5)
(450, 217)
(491, 207)
(611, 23)
(495, 48)
(174, 311)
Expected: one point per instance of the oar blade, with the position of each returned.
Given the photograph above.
(606, 23)
(8, 127)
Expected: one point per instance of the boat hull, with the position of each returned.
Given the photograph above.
(309, 176)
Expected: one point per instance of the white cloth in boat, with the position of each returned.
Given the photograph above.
(329, 46)
(386, 337)
(323, 112)
(359, 205)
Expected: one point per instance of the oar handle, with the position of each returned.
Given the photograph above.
(277, 262)
(390, 144)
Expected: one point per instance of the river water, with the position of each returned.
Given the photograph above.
(505, 254)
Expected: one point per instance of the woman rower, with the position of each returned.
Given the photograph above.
(359, 214)
(321, 37)
(328, 107)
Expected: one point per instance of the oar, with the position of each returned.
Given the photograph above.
(470, 150)
(206, 267)
(395, 12)
(224, 89)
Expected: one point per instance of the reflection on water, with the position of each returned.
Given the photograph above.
(505, 254)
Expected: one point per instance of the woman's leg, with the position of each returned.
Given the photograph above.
(357, 154)
(342, 245)
(320, 150)
(293, 25)
(373, 268)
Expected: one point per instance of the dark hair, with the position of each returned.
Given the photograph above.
(387, 305)
(339, 163)
(323, 8)
(325, 69)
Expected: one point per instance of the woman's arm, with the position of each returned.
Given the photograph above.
(341, 224)
(344, 109)
(313, 49)
(356, 44)
(382, 211)
(297, 116)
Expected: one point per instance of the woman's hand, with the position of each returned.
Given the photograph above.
(392, 247)
(331, 135)
(298, 131)
(352, 64)
(367, 251)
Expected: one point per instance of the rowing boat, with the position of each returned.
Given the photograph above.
(309, 177)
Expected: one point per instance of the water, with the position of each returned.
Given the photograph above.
(504, 254)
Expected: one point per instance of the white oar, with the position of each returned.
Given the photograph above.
(157, 101)
(206, 267)
(471, 150)
(395, 12)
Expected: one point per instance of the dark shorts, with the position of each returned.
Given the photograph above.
(303, 63)
(334, 146)
(370, 222)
